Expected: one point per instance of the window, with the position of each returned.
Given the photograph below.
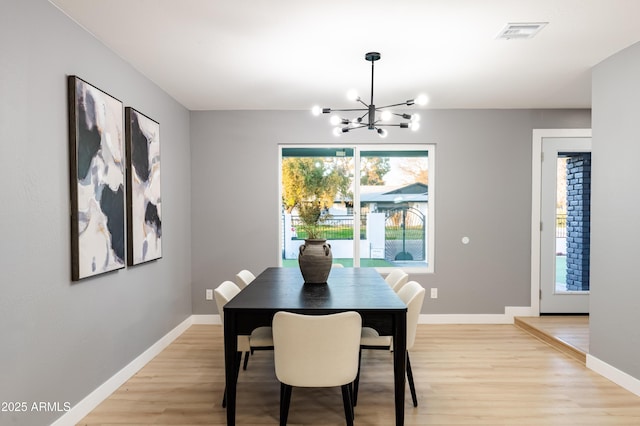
(373, 203)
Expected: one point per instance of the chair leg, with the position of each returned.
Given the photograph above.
(238, 359)
(224, 398)
(412, 387)
(246, 360)
(348, 408)
(350, 389)
(356, 382)
(353, 410)
(285, 401)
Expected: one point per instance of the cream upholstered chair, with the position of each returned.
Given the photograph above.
(243, 278)
(337, 265)
(396, 279)
(260, 338)
(412, 294)
(316, 351)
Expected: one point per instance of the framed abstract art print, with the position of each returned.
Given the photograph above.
(97, 178)
(144, 203)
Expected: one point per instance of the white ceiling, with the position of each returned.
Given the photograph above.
(292, 54)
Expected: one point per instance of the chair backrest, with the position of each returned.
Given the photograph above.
(337, 265)
(223, 294)
(316, 350)
(396, 279)
(412, 294)
(243, 278)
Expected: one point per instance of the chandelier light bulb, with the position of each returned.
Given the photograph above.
(415, 118)
(335, 120)
(337, 131)
(352, 95)
(386, 115)
(414, 125)
(382, 133)
(422, 100)
(316, 110)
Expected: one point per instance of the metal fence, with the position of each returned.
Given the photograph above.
(334, 227)
(405, 234)
(561, 225)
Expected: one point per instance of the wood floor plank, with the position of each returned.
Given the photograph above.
(464, 374)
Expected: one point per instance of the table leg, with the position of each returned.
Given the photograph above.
(230, 365)
(399, 364)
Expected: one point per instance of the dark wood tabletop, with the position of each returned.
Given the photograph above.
(347, 289)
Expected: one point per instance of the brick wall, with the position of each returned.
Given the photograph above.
(578, 221)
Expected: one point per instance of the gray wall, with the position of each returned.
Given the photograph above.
(483, 191)
(60, 340)
(615, 224)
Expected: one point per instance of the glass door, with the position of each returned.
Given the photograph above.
(565, 233)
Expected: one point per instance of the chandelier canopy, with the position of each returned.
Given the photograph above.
(371, 116)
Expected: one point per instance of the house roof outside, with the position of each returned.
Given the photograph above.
(413, 193)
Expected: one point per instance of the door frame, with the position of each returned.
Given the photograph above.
(536, 193)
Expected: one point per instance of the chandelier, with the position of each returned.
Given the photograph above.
(371, 116)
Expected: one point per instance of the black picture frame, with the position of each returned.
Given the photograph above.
(97, 173)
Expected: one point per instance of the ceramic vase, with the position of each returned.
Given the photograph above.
(315, 261)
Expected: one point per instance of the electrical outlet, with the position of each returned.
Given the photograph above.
(209, 294)
(434, 293)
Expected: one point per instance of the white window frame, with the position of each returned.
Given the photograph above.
(357, 149)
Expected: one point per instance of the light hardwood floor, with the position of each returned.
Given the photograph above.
(465, 375)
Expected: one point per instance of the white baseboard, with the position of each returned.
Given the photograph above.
(206, 319)
(520, 311)
(618, 377)
(102, 392)
(507, 318)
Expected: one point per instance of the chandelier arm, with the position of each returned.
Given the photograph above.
(393, 105)
(349, 109)
(357, 127)
(390, 125)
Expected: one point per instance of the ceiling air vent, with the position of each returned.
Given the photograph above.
(519, 31)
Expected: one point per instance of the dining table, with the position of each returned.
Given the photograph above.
(347, 289)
